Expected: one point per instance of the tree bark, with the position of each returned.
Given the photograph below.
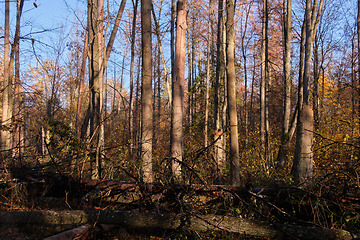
(178, 91)
(94, 83)
(146, 92)
(81, 86)
(283, 155)
(132, 60)
(8, 85)
(219, 95)
(172, 37)
(263, 88)
(231, 91)
(207, 80)
(71, 234)
(302, 170)
(18, 135)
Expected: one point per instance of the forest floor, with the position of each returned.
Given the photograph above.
(276, 204)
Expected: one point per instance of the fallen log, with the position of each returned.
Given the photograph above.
(155, 187)
(143, 220)
(71, 234)
(81, 232)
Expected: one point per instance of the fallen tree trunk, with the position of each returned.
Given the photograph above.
(71, 234)
(171, 221)
(81, 232)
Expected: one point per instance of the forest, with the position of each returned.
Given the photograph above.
(152, 119)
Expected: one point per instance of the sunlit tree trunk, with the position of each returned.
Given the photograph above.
(219, 147)
(81, 87)
(207, 80)
(94, 81)
(7, 85)
(100, 140)
(18, 133)
(132, 60)
(172, 37)
(178, 91)
(136, 108)
(283, 155)
(190, 76)
(244, 47)
(231, 93)
(315, 92)
(146, 92)
(302, 170)
(354, 95)
(97, 65)
(264, 135)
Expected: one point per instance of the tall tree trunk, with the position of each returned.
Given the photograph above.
(251, 117)
(136, 109)
(263, 88)
(283, 155)
(190, 76)
(178, 91)
(172, 37)
(97, 65)
(207, 80)
(81, 86)
(146, 92)
(158, 100)
(302, 170)
(243, 51)
(17, 139)
(220, 79)
(354, 95)
(132, 60)
(231, 91)
(316, 83)
(94, 81)
(8, 86)
(100, 140)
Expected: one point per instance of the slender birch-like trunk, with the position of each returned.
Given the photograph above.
(231, 93)
(264, 135)
(146, 93)
(219, 100)
(283, 155)
(178, 91)
(207, 80)
(8, 86)
(132, 60)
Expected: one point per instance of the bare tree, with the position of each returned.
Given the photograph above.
(97, 65)
(285, 138)
(146, 92)
(264, 134)
(132, 60)
(18, 137)
(9, 79)
(231, 93)
(302, 170)
(207, 80)
(220, 100)
(8, 86)
(178, 90)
